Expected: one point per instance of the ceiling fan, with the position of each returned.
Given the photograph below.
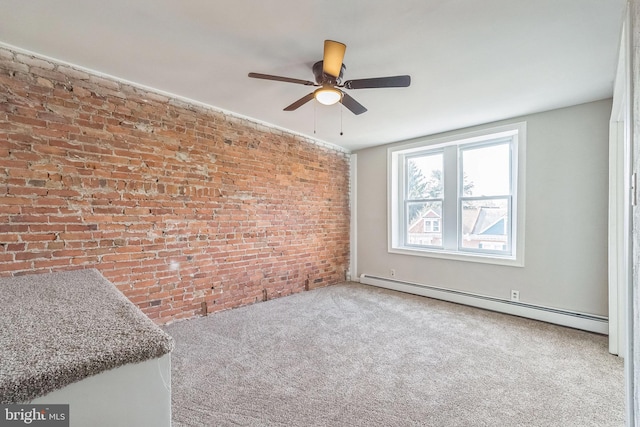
(328, 75)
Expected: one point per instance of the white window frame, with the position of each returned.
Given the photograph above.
(395, 172)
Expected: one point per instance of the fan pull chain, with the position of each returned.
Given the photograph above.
(314, 117)
(341, 110)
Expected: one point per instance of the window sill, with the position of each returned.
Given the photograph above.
(460, 256)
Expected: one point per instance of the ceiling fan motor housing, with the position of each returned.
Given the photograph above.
(323, 78)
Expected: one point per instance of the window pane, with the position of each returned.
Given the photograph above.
(424, 224)
(486, 171)
(424, 177)
(486, 225)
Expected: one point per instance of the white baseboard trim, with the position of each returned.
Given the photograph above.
(586, 322)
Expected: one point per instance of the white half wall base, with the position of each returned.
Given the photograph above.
(132, 395)
(586, 322)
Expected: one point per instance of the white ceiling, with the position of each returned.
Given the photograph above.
(471, 61)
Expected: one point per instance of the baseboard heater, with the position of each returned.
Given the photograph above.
(586, 322)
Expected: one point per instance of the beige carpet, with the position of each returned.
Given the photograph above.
(354, 355)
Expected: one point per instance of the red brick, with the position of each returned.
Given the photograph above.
(50, 263)
(13, 267)
(32, 237)
(21, 256)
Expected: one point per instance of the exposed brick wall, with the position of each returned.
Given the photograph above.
(176, 204)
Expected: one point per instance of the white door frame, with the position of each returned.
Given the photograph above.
(622, 183)
(620, 275)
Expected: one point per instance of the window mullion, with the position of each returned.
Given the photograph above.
(450, 200)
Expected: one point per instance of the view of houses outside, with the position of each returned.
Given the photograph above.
(483, 227)
(484, 204)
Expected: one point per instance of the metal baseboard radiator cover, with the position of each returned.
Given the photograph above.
(586, 322)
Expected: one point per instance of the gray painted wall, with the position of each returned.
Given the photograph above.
(566, 218)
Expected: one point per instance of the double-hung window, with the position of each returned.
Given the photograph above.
(460, 197)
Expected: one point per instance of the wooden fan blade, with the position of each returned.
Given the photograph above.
(281, 79)
(354, 106)
(300, 102)
(333, 56)
(394, 81)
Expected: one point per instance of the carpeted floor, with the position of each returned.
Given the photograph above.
(354, 355)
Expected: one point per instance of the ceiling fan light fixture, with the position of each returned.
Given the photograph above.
(327, 95)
